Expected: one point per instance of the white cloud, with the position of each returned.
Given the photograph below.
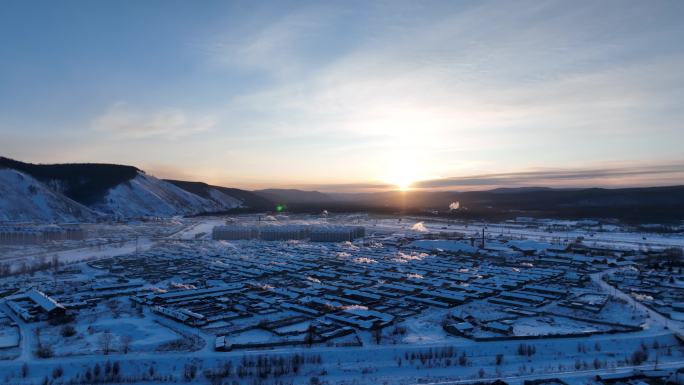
(124, 120)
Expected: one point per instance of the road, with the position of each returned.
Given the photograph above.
(654, 316)
(25, 339)
(562, 374)
(381, 355)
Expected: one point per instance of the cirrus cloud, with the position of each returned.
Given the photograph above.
(124, 120)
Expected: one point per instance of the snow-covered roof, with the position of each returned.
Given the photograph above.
(41, 299)
(454, 246)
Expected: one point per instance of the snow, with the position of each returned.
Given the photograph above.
(47, 303)
(300, 327)
(254, 336)
(146, 195)
(530, 245)
(394, 269)
(145, 333)
(9, 334)
(539, 326)
(224, 200)
(23, 198)
(454, 246)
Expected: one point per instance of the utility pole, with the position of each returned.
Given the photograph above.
(483, 237)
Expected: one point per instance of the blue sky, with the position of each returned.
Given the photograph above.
(350, 95)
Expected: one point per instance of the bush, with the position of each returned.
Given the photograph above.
(44, 351)
(462, 359)
(57, 372)
(526, 350)
(639, 356)
(67, 331)
(61, 320)
(189, 372)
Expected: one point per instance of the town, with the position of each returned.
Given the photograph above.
(509, 300)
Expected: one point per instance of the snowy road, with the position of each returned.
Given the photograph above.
(481, 355)
(654, 316)
(25, 337)
(581, 374)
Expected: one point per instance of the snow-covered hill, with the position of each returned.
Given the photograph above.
(23, 198)
(223, 200)
(88, 191)
(146, 195)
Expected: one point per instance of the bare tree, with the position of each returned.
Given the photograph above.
(310, 335)
(377, 334)
(105, 341)
(55, 262)
(673, 255)
(126, 343)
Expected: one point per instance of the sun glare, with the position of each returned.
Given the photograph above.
(404, 185)
(403, 175)
(402, 182)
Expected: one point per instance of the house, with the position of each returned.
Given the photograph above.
(34, 305)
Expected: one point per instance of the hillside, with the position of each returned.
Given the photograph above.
(86, 183)
(23, 198)
(146, 195)
(293, 196)
(224, 196)
(86, 191)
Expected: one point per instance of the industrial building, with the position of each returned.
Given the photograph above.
(234, 232)
(284, 233)
(337, 233)
(316, 233)
(37, 235)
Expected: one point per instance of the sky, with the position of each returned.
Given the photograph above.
(350, 95)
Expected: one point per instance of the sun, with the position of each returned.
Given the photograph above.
(404, 184)
(403, 169)
(402, 175)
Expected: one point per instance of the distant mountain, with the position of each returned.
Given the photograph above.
(225, 196)
(88, 191)
(293, 196)
(514, 190)
(638, 204)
